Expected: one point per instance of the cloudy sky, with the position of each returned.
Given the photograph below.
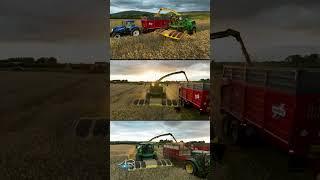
(153, 6)
(153, 70)
(271, 29)
(72, 30)
(145, 130)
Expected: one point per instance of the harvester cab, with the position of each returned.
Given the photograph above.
(179, 26)
(146, 151)
(126, 28)
(156, 93)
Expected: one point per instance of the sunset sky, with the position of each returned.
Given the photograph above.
(153, 70)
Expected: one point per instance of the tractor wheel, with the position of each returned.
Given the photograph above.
(135, 32)
(190, 168)
(117, 36)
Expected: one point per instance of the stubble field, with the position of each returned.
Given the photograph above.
(122, 107)
(154, 46)
(36, 113)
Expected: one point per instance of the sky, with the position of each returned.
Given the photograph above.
(145, 130)
(153, 6)
(73, 30)
(153, 70)
(271, 29)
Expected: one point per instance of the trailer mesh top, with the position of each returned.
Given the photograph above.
(288, 79)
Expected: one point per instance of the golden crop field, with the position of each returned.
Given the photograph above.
(119, 153)
(36, 135)
(155, 46)
(122, 107)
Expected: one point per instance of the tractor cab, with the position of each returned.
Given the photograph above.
(128, 23)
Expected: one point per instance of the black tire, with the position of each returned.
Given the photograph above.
(187, 166)
(116, 35)
(296, 163)
(135, 32)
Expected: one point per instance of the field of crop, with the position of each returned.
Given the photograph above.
(36, 135)
(251, 162)
(122, 107)
(154, 46)
(118, 153)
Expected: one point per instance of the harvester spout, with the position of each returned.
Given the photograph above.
(237, 36)
(167, 134)
(170, 74)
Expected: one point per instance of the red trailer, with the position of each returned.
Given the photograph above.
(195, 94)
(282, 104)
(151, 24)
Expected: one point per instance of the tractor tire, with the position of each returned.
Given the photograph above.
(190, 168)
(135, 32)
(117, 35)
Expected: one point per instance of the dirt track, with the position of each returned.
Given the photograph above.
(122, 107)
(37, 138)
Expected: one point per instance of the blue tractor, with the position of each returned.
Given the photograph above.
(127, 28)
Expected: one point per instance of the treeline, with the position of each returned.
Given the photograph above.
(49, 64)
(30, 60)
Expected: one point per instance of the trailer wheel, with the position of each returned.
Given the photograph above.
(190, 168)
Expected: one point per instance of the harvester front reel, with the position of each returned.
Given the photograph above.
(132, 165)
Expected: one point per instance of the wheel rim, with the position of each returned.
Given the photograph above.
(117, 36)
(189, 168)
(135, 33)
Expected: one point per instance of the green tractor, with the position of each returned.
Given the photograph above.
(198, 163)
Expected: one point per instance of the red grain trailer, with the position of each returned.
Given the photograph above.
(151, 24)
(195, 94)
(281, 103)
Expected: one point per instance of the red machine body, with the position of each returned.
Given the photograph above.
(195, 94)
(283, 104)
(151, 24)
